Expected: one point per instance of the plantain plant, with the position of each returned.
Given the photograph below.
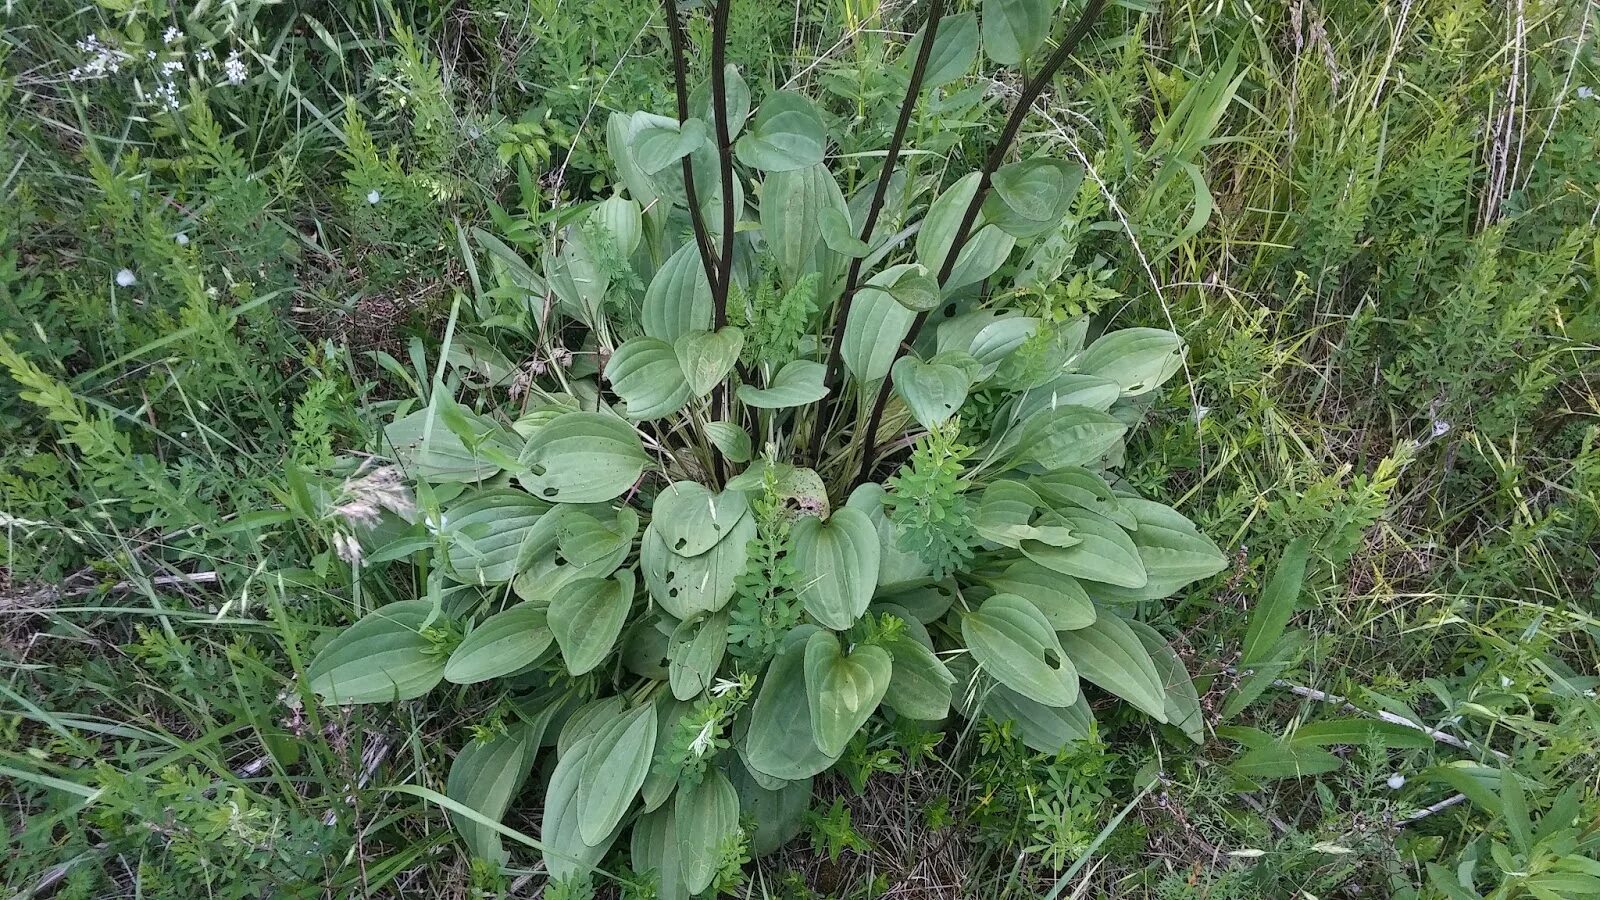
(784, 459)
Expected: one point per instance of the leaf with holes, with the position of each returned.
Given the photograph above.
(646, 374)
(689, 586)
(613, 771)
(382, 657)
(1138, 359)
(787, 134)
(504, 643)
(843, 690)
(582, 457)
(799, 382)
(587, 617)
(836, 565)
(934, 391)
(1013, 641)
(691, 519)
(1108, 653)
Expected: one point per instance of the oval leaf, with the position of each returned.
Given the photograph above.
(383, 657)
(799, 382)
(582, 457)
(836, 565)
(587, 617)
(1013, 641)
(617, 761)
(842, 690)
(786, 135)
(504, 643)
(646, 374)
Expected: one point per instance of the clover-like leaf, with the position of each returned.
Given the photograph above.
(836, 562)
(843, 690)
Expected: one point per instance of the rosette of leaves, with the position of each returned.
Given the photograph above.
(678, 632)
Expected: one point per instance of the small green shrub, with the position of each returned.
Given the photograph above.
(683, 565)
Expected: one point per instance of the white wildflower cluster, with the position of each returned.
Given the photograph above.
(159, 74)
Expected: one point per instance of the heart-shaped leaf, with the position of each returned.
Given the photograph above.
(1013, 641)
(504, 643)
(933, 391)
(836, 565)
(1138, 359)
(1039, 189)
(706, 357)
(583, 457)
(615, 767)
(843, 690)
(779, 743)
(646, 374)
(799, 382)
(657, 146)
(383, 657)
(787, 134)
(678, 299)
(587, 617)
(691, 519)
(1108, 653)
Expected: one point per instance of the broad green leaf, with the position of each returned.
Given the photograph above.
(646, 374)
(621, 131)
(1271, 615)
(983, 255)
(1047, 729)
(1067, 436)
(587, 616)
(1104, 552)
(1359, 733)
(504, 643)
(836, 562)
(1138, 359)
(927, 601)
(933, 391)
(484, 534)
(1180, 701)
(689, 586)
(706, 357)
(582, 457)
(793, 206)
(653, 848)
(678, 299)
(586, 721)
(663, 776)
(621, 219)
(695, 652)
(919, 684)
(706, 816)
(873, 330)
(731, 440)
(939, 226)
(439, 455)
(590, 547)
(618, 758)
(1283, 761)
(1173, 551)
(1035, 190)
(1005, 516)
(778, 814)
(382, 657)
(955, 46)
(1081, 488)
(1013, 29)
(1013, 642)
(779, 743)
(787, 134)
(910, 284)
(566, 854)
(691, 520)
(839, 235)
(896, 567)
(1109, 653)
(1059, 597)
(486, 776)
(657, 146)
(842, 690)
(799, 382)
(737, 97)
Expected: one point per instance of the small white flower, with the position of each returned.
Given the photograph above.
(436, 525)
(1585, 92)
(1441, 428)
(723, 686)
(233, 68)
(203, 55)
(1200, 412)
(1396, 781)
(172, 35)
(182, 239)
(702, 741)
(126, 278)
(373, 196)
